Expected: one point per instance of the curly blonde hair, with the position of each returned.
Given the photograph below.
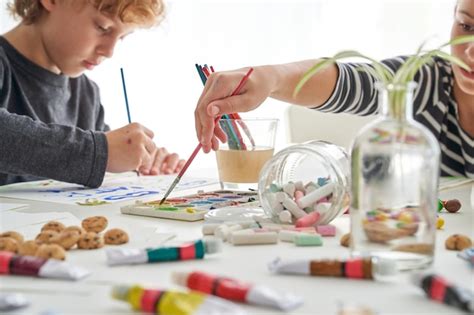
(144, 13)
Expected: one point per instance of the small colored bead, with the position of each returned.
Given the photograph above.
(440, 205)
(381, 217)
(394, 215)
(439, 223)
(406, 217)
(415, 217)
(190, 210)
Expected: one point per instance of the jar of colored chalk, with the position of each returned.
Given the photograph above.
(306, 183)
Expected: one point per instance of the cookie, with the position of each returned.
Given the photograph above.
(28, 248)
(17, 236)
(45, 236)
(458, 242)
(90, 240)
(75, 228)
(53, 226)
(48, 251)
(9, 244)
(115, 237)
(345, 240)
(95, 224)
(66, 239)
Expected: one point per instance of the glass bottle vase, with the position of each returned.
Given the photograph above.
(395, 173)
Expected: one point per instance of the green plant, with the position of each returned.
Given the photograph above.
(405, 74)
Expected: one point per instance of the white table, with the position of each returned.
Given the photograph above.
(248, 263)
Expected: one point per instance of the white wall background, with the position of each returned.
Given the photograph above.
(163, 85)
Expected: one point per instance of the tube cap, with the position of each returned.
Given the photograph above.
(120, 292)
(212, 246)
(416, 278)
(384, 267)
(180, 278)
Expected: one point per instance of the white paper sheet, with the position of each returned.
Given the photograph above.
(11, 206)
(115, 188)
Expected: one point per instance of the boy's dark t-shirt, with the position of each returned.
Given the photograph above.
(51, 126)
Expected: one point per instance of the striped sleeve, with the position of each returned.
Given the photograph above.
(355, 91)
(434, 106)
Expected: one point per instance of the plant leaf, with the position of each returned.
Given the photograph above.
(405, 73)
(453, 59)
(312, 71)
(383, 74)
(459, 40)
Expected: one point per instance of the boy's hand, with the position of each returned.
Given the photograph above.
(130, 148)
(165, 163)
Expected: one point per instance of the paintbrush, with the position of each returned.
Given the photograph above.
(126, 104)
(198, 147)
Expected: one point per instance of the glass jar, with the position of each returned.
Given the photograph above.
(295, 175)
(395, 171)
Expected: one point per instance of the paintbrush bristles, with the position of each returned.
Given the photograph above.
(173, 185)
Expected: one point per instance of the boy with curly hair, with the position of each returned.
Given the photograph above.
(51, 117)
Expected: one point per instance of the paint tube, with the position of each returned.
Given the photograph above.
(195, 250)
(439, 289)
(467, 255)
(356, 268)
(166, 302)
(39, 267)
(234, 290)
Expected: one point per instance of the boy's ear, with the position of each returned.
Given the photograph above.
(49, 5)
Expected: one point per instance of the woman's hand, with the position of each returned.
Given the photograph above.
(216, 100)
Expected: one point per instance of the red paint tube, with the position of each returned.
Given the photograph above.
(439, 289)
(39, 267)
(237, 291)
